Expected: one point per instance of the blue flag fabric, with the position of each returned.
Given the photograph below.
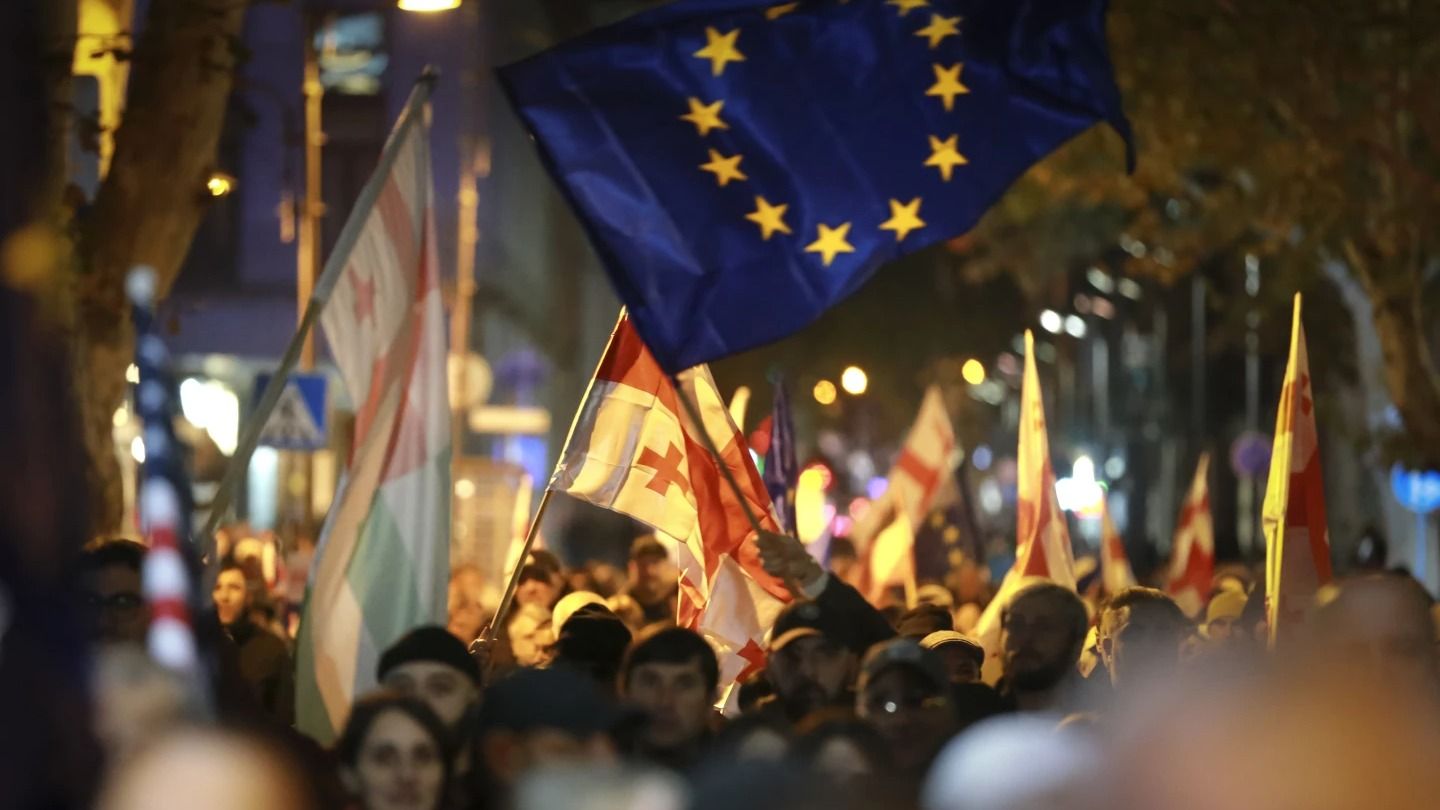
(781, 466)
(742, 166)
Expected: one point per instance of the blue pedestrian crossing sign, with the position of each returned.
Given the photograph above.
(298, 421)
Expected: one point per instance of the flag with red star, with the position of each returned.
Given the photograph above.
(1297, 544)
(633, 449)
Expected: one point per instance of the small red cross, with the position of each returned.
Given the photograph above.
(667, 469)
(364, 297)
(755, 657)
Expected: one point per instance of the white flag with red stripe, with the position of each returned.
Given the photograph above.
(1297, 542)
(1192, 554)
(1116, 574)
(886, 532)
(1042, 550)
(633, 449)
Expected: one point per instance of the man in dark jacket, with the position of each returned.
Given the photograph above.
(264, 658)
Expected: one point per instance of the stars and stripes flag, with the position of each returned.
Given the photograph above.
(886, 532)
(1297, 543)
(1116, 574)
(1192, 554)
(382, 562)
(633, 449)
(164, 495)
(1042, 538)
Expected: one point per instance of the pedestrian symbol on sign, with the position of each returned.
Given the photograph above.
(298, 421)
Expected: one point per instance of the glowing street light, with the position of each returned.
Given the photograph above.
(1051, 321)
(219, 184)
(824, 392)
(1075, 326)
(427, 6)
(854, 381)
(973, 371)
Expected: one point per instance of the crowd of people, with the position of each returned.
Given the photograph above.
(590, 696)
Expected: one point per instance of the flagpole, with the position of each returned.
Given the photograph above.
(490, 633)
(320, 295)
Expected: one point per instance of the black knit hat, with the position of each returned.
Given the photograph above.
(428, 643)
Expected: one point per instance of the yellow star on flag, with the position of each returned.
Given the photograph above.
(725, 169)
(770, 218)
(831, 243)
(905, 6)
(945, 155)
(903, 218)
(706, 117)
(776, 12)
(720, 48)
(947, 85)
(939, 28)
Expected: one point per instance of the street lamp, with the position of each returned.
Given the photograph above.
(854, 380)
(973, 371)
(824, 392)
(219, 184)
(1051, 321)
(427, 6)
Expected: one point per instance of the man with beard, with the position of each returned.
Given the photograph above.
(653, 583)
(1042, 631)
(904, 695)
(1141, 633)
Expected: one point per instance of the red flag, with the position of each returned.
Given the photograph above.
(1192, 554)
(1297, 544)
(633, 449)
(1116, 574)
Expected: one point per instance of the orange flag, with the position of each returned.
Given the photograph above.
(1192, 555)
(1297, 545)
(1041, 536)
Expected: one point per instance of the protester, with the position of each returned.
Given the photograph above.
(395, 753)
(431, 665)
(536, 587)
(653, 582)
(1380, 625)
(530, 634)
(1016, 762)
(110, 587)
(962, 656)
(671, 674)
(924, 619)
(463, 603)
(534, 719)
(592, 642)
(756, 737)
(844, 562)
(1222, 628)
(904, 694)
(1042, 631)
(812, 661)
(215, 769)
(836, 745)
(1141, 634)
(264, 658)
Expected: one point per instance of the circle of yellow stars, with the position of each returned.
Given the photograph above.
(722, 49)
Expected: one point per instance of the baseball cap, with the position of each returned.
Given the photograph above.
(950, 638)
(806, 619)
(647, 546)
(428, 643)
(903, 652)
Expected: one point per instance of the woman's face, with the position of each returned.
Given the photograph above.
(399, 766)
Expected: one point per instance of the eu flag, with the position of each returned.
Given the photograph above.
(742, 166)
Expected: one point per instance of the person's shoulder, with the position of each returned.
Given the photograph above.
(266, 639)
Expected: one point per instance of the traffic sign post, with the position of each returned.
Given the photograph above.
(299, 420)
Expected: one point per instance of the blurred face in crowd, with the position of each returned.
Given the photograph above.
(1381, 626)
(1142, 640)
(509, 755)
(910, 713)
(843, 760)
(218, 771)
(530, 635)
(113, 593)
(466, 616)
(229, 595)
(675, 699)
(446, 690)
(399, 766)
(647, 573)
(1039, 643)
(959, 663)
(538, 592)
(810, 673)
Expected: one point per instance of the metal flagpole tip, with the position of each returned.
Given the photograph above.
(140, 285)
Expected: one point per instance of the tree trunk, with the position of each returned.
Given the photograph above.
(1395, 295)
(149, 206)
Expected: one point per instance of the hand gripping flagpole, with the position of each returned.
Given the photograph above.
(324, 286)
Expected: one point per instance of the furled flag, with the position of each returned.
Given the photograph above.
(1042, 539)
(633, 449)
(164, 496)
(886, 532)
(741, 166)
(1192, 555)
(781, 467)
(1115, 572)
(1297, 544)
(382, 562)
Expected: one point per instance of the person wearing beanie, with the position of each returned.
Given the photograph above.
(592, 642)
(430, 664)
